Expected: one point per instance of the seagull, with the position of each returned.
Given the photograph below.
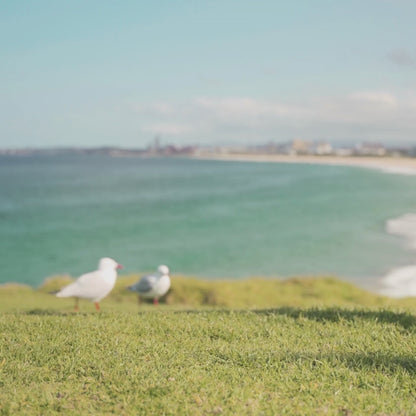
(153, 286)
(95, 285)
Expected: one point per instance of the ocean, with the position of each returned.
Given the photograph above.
(210, 219)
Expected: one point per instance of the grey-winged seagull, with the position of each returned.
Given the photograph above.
(153, 286)
(95, 285)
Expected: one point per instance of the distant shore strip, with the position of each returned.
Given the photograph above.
(400, 165)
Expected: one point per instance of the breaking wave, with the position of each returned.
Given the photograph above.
(401, 282)
(399, 170)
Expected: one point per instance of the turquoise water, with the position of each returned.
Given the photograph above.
(207, 218)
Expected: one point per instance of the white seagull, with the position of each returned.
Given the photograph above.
(95, 285)
(153, 286)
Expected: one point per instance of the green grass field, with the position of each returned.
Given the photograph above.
(252, 347)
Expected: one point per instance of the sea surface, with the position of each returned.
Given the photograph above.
(211, 219)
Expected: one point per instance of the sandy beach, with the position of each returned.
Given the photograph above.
(400, 165)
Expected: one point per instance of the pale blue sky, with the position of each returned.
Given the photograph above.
(206, 72)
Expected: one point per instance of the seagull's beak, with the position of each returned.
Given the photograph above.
(119, 266)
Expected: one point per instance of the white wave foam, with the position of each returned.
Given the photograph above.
(404, 226)
(399, 170)
(401, 282)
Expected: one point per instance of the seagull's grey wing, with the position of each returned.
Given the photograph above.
(145, 284)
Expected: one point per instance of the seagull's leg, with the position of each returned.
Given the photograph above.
(97, 306)
(76, 305)
(139, 300)
(155, 301)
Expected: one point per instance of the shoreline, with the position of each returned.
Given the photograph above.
(401, 165)
(398, 282)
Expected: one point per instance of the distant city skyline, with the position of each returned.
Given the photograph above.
(229, 72)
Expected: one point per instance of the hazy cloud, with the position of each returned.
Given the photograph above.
(243, 108)
(170, 129)
(374, 98)
(402, 57)
(369, 115)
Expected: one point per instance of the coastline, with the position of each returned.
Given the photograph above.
(401, 165)
(400, 281)
(227, 217)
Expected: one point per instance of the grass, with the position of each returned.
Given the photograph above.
(252, 347)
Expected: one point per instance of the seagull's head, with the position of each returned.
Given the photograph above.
(162, 269)
(108, 264)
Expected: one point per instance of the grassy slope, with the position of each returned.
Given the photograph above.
(263, 347)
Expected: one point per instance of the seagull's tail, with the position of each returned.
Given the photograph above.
(60, 294)
(66, 292)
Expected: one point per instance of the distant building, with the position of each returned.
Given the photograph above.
(412, 152)
(370, 149)
(322, 149)
(172, 150)
(343, 151)
(284, 149)
(300, 147)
